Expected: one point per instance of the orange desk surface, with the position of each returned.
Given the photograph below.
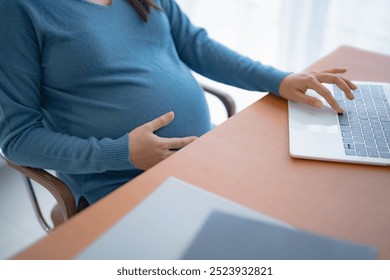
(246, 159)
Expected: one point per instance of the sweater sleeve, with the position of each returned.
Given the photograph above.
(215, 61)
(24, 139)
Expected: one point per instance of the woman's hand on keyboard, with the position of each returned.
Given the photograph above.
(295, 85)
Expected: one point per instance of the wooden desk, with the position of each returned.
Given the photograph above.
(246, 159)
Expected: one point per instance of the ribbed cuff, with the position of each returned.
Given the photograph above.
(116, 154)
(271, 79)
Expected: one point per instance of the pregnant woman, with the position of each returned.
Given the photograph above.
(100, 90)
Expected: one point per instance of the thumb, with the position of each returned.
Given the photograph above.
(310, 100)
(160, 122)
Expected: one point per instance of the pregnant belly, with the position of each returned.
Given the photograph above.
(189, 105)
(113, 111)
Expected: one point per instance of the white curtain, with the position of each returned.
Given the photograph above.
(292, 34)
(314, 28)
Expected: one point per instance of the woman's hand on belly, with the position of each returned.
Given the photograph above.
(147, 149)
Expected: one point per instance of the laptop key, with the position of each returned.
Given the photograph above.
(384, 155)
(348, 140)
(370, 143)
(381, 143)
(349, 147)
(349, 152)
(355, 130)
(372, 152)
(353, 118)
(357, 134)
(369, 138)
(376, 126)
(383, 149)
(354, 124)
(358, 139)
(379, 137)
(375, 120)
(347, 135)
(343, 119)
(360, 150)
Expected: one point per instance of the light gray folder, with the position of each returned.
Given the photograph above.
(165, 223)
(225, 236)
(179, 220)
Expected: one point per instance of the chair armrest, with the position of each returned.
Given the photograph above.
(55, 186)
(225, 98)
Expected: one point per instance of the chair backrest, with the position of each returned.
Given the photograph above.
(224, 97)
(66, 205)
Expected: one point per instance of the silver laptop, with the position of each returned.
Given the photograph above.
(360, 135)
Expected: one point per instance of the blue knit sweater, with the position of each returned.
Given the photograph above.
(76, 77)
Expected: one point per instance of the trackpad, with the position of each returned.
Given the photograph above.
(304, 117)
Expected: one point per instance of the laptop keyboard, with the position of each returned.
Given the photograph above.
(365, 124)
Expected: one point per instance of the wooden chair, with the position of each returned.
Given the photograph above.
(65, 206)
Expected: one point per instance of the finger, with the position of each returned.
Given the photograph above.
(160, 122)
(178, 143)
(341, 70)
(309, 100)
(341, 83)
(324, 92)
(338, 70)
(350, 84)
